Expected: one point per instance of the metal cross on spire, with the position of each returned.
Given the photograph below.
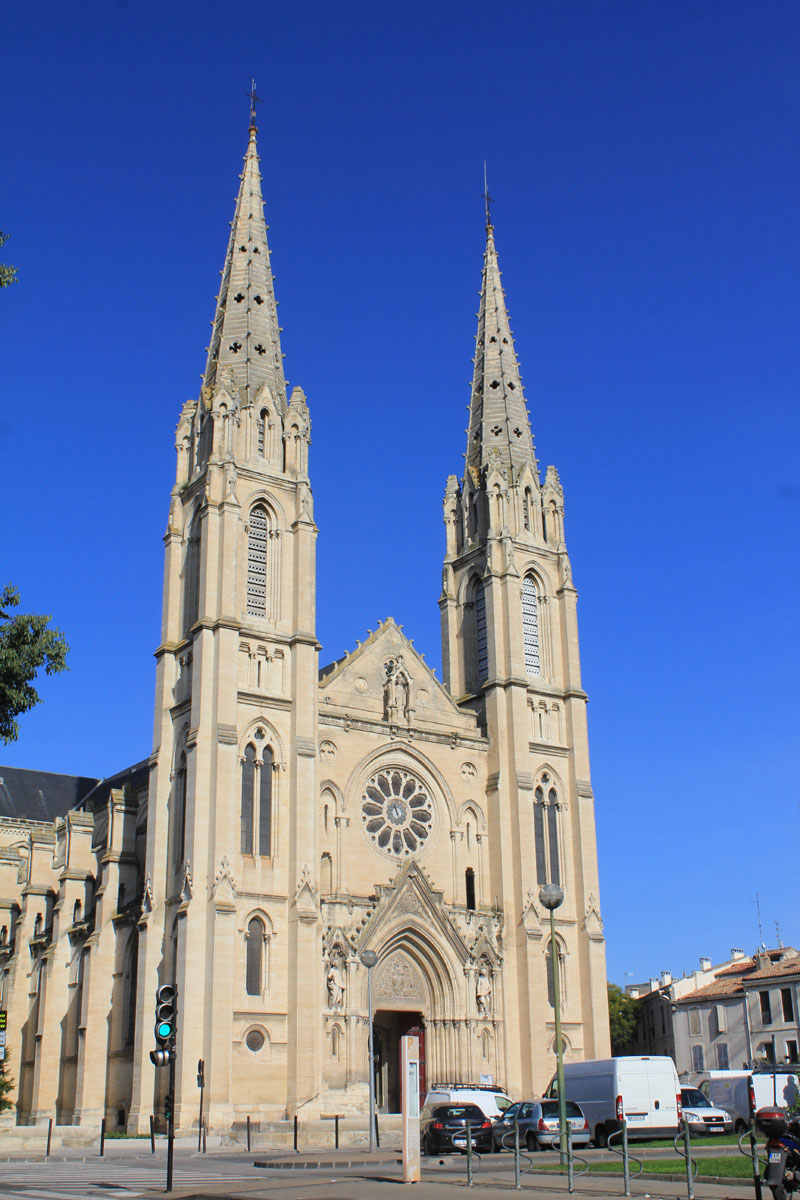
(254, 100)
(487, 199)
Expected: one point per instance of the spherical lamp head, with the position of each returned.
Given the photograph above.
(368, 958)
(551, 895)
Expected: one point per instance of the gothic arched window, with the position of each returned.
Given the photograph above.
(480, 632)
(130, 973)
(562, 983)
(257, 562)
(191, 575)
(469, 884)
(248, 790)
(530, 626)
(179, 814)
(263, 418)
(545, 831)
(265, 805)
(254, 968)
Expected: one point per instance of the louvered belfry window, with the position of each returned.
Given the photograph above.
(254, 969)
(257, 563)
(530, 627)
(480, 632)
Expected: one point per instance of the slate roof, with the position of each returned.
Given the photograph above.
(41, 795)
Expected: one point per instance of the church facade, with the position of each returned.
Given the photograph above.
(290, 817)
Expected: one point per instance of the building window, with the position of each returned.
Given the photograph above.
(255, 958)
(723, 1062)
(129, 977)
(545, 831)
(469, 880)
(257, 562)
(791, 1052)
(698, 1059)
(191, 576)
(179, 828)
(265, 805)
(480, 632)
(786, 1002)
(248, 788)
(720, 1016)
(694, 1022)
(766, 1008)
(530, 627)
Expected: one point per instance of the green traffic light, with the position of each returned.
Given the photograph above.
(164, 1029)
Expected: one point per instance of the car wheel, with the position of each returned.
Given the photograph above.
(530, 1141)
(601, 1137)
(740, 1126)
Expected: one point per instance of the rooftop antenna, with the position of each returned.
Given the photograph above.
(254, 100)
(778, 935)
(757, 903)
(487, 199)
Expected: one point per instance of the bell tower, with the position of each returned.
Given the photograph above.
(510, 654)
(233, 771)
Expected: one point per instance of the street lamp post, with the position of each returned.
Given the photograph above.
(551, 896)
(369, 959)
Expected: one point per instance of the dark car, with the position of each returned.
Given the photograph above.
(538, 1125)
(443, 1128)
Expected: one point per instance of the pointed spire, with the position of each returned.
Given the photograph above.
(498, 416)
(246, 334)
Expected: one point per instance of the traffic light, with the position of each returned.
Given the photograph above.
(168, 1108)
(166, 998)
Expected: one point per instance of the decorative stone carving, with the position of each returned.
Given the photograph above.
(396, 691)
(336, 982)
(396, 812)
(483, 991)
(468, 771)
(327, 751)
(398, 980)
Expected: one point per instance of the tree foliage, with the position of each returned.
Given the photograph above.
(6, 1084)
(27, 645)
(8, 275)
(623, 1013)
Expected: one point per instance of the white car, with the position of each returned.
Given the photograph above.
(492, 1101)
(701, 1116)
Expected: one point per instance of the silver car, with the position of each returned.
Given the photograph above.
(538, 1125)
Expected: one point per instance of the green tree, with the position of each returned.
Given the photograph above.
(623, 1013)
(26, 646)
(6, 1084)
(8, 275)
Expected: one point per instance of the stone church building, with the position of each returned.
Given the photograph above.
(291, 816)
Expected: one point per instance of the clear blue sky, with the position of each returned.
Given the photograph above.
(644, 161)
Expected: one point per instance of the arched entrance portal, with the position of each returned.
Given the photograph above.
(388, 1027)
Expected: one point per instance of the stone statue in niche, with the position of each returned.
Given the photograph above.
(483, 992)
(396, 691)
(336, 983)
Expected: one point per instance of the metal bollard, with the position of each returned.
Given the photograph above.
(626, 1166)
(517, 1184)
(688, 1151)
(152, 1134)
(295, 1133)
(336, 1132)
(102, 1137)
(49, 1136)
(754, 1158)
(469, 1153)
(377, 1133)
(248, 1134)
(205, 1131)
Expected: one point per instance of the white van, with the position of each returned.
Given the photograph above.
(731, 1090)
(492, 1101)
(644, 1090)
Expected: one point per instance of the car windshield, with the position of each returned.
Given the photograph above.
(502, 1103)
(550, 1109)
(694, 1098)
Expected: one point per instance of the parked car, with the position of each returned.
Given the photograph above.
(443, 1128)
(492, 1101)
(701, 1116)
(641, 1089)
(538, 1125)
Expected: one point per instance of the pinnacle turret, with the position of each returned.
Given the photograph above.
(246, 335)
(498, 416)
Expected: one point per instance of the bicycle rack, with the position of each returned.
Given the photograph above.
(686, 1154)
(753, 1155)
(625, 1155)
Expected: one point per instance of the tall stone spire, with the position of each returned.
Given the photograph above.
(498, 415)
(246, 335)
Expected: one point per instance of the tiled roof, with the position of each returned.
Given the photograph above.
(732, 983)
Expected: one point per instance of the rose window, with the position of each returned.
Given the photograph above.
(396, 811)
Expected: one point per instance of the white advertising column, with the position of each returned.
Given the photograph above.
(409, 1070)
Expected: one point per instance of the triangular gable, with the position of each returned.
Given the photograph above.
(408, 900)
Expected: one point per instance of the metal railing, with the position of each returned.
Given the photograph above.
(622, 1149)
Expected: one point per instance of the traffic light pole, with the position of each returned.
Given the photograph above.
(171, 1122)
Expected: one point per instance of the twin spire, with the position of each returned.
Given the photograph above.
(498, 422)
(246, 335)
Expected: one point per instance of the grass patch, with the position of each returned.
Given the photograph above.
(131, 1137)
(737, 1167)
(700, 1143)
